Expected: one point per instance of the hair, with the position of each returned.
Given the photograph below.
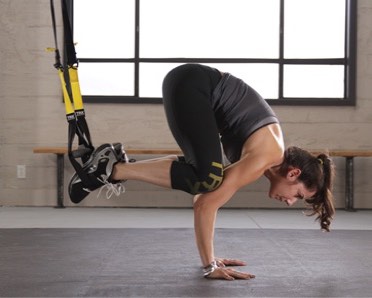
(317, 174)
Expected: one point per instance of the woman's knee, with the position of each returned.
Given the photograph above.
(196, 181)
(207, 181)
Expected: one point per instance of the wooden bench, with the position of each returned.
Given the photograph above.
(349, 156)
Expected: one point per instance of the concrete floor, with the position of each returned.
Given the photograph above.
(114, 252)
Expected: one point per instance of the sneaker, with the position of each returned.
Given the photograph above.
(99, 169)
(120, 152)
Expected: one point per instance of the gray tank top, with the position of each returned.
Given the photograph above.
(239, 112)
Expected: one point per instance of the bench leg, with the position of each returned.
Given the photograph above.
(60, 180)
(349, 184)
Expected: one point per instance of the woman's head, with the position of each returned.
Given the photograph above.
(303, 175)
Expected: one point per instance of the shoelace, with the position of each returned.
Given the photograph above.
(111, 189)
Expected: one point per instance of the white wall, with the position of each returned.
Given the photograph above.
(32, 114)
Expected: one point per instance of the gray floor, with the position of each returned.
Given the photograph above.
(104, 252)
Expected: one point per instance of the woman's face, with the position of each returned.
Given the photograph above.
(287, 188)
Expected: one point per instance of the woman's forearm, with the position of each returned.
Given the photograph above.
(204, 221)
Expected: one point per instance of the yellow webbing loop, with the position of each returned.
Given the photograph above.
(66, 98)
(75, 88)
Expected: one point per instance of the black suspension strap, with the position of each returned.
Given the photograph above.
(75, 114)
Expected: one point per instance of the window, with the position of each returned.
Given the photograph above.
(291, 51)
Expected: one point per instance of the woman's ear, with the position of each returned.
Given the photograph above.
(293, 174)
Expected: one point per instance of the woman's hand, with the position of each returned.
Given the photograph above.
(229, 274)
(222, 272)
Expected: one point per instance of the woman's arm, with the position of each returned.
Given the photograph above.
(263, 150)
(205, 211)
(206, 206)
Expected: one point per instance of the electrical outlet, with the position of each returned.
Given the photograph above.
(21, 171)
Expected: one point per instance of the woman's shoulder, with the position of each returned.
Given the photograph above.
(267, 144)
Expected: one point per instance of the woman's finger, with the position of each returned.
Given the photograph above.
(239, 274)
(229, 274)
(234, 262)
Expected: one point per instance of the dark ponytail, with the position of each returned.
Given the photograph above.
(317, 173)
(322, 202)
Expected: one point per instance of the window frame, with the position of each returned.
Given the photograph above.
(349, 61)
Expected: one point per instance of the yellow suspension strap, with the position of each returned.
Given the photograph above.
(75, 113)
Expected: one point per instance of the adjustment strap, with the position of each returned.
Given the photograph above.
(69, 42)
(82, 129)
(58, 63)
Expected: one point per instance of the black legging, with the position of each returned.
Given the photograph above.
(187, 92)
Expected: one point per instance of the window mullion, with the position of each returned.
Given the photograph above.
(350, 50)
(281, 49)
(136, 48)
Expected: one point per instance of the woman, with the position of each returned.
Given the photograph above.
(205, 108)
